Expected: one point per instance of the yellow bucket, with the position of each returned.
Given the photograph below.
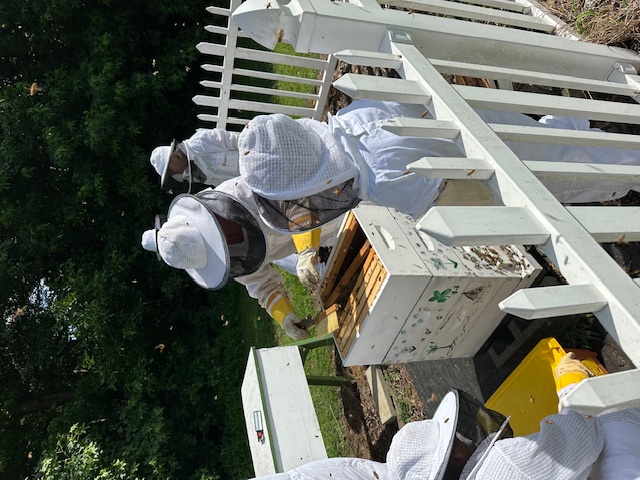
(529, 393)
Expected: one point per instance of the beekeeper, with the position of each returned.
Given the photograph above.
(303, 172)
(209, 157)
(216, 235)
(464, 440)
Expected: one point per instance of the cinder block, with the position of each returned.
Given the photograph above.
(380, 392)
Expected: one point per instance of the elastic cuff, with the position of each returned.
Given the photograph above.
(279, 307)
(310, 239)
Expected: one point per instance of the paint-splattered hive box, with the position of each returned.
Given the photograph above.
(404, 296)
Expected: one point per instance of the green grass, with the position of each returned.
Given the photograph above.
(287, 49)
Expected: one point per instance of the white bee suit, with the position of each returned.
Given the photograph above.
(215, 153)
(569, 446)
(264, 282)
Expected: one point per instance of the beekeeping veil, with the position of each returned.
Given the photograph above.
(439, 448)
(300, 176)
(160, 158)
(212, 236)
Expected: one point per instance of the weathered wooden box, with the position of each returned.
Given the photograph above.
(404, 296)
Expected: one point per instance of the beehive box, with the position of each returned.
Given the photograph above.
(404, 297)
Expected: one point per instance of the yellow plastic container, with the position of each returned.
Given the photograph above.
(529, 393)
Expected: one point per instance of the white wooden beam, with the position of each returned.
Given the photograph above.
(236, 87)
(459, 168)
(471, 226)
(557, 301)
(472, 12)
(421, 127)
(610, 224)
(605, 393)
(558, 136)
(526, 102)
(535, 78)
(251, 106)
(369, 59)
(225, 12)
(381, 88)
(509, 5)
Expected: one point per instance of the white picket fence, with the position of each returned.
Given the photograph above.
(422, 39)
(531, 215)
(230, 83)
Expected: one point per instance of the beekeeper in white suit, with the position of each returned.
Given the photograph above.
(464, 441)
(216, 235)
(304, 171)
(209, 157)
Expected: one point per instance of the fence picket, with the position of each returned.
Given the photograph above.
(557, 301)
(526, 102)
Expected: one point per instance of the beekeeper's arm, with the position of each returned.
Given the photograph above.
(307, 245)
(213, 140)
(267, 286)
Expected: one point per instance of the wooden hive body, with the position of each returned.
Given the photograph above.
(405, 297)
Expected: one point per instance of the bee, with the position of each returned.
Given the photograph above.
(406, 172)
(268, 5)
(246, 152)
(548, 422)
(425, 113)
(375, 475)
(471, 172)
(411, 11)
(329, 181)
(621, 238)
(279, 35)
(336, 191)
(153, 63)
(34, 89)
(160, 347)
(19, 312)
(446, 420)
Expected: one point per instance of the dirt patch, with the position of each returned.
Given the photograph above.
(366, 435)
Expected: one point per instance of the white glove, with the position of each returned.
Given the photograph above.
(290, 326)
(306, 268)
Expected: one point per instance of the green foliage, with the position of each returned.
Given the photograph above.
(578, 332)
(110, 337)
(583, 18)
(75, 457)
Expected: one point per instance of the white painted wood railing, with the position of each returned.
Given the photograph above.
(421, 47)
(531, 215)
(229, 91)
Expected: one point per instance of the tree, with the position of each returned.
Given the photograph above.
(109, 338)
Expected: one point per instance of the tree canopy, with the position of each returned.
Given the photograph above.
(97, 332)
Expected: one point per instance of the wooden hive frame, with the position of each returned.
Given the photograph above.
(355, 275)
